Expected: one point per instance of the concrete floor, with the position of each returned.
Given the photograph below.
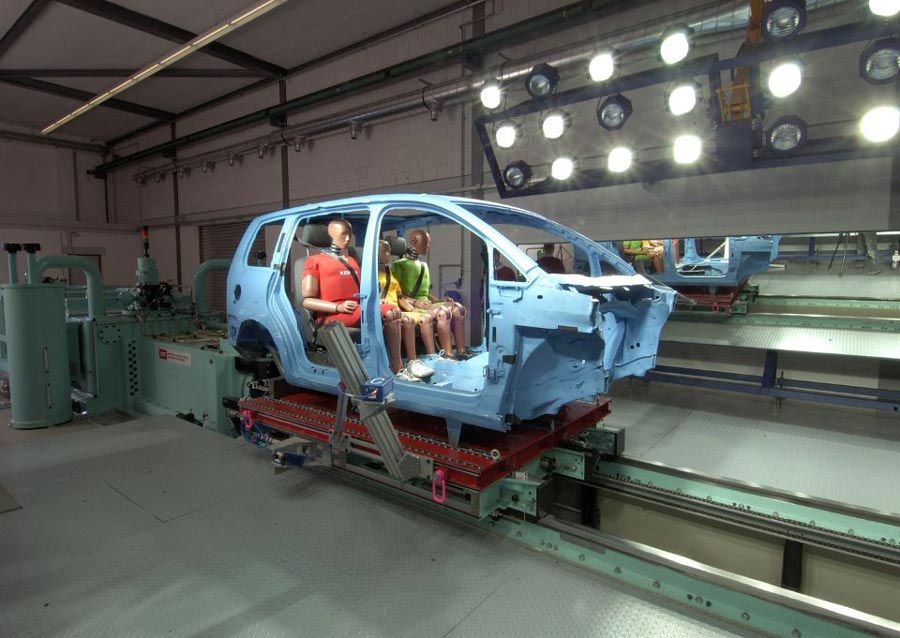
(154, 527)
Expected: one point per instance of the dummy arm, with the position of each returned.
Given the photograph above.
(310, 290)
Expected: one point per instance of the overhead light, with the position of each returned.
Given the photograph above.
(183, 171)
(262, 150)
(207, 166)
(562, 168)
(355, 128)
(682, 99)
(158, 177)
(884, 8)
(434, 109)
(619, 159)
(299, 144)
(783, 19)
(687, 149)
(602, 66)
(880, 124)
(675, 43)
(785, 78)
(506, 134)
(182, 50)
(614, 112)
(554, 124)
(140, 180)
(786, 135)
(880, 61)
(517, 175)
(232, 158)
(491, 94)
(541, 81)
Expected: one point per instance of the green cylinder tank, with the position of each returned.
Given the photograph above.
(39, 379)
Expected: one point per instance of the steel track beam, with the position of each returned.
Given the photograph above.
(84, 96)
(160, 29)
(20, 26)
(124, 73)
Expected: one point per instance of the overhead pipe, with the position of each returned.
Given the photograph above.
(12, 265)
(705, 21)
(36, 270)
(200, 280)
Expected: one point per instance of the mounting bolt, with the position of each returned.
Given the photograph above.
(795, 633)
(581, 557)
(655, 584)
(745, 616)
(699, 600)
(617, 570)
(518, 534)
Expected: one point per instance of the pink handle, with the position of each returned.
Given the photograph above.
(247, 419)
(439, 478)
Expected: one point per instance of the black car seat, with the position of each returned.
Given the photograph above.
(313, 238)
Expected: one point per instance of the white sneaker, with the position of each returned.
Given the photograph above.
(406, 375)
(418, 369)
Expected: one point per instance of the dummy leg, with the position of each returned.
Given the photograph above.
(443, 331)
(391, 322)
(408, 335)
(426, 327)
(457, 321)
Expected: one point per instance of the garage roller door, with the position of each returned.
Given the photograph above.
(220, 242)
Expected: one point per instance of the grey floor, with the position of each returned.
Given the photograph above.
(845, 455)
(153, 527)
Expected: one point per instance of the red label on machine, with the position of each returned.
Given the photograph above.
(178, 358)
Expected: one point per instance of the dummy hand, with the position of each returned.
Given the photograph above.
(422, 304)
(347, 307)
(449, 299)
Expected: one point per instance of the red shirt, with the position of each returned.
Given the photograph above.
(336, 284)
(552, 265)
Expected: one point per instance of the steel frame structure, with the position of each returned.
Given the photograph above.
(734, 142)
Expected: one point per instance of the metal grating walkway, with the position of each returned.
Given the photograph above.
(156, 527)
(849, 456)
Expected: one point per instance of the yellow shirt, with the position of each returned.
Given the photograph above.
(393, 291)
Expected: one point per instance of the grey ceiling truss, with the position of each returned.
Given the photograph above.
(20, 26)
(167, 31)
(77, 94)
(124, 73)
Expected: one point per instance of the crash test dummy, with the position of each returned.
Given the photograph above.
(411, 272)
(330, 287)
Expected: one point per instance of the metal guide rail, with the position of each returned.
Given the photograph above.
(852, 530)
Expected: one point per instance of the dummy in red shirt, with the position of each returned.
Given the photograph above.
(337, 284)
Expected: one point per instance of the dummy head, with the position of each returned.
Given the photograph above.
(548, 249)
(384, 252)
(419, 240)
(340, 232)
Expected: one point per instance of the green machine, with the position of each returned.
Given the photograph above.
(82, 350)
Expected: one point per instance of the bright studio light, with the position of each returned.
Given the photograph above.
(619, 159)
(687, 149)
(491, 95)
(785, 78)
(880, 124)
(602, 67)
(682, 99)
(884, 8)
(675, 44)
(562, 168)
(506, 134)
(554, 125)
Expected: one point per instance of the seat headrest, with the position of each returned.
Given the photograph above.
(398, 246)
(315, 235)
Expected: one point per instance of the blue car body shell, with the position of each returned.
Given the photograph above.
(549, 339)
(742, 257)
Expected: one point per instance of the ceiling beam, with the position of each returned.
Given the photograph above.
(52, 141)
(21, 24)
(167, 31)
(76, 94)
(119, 73)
